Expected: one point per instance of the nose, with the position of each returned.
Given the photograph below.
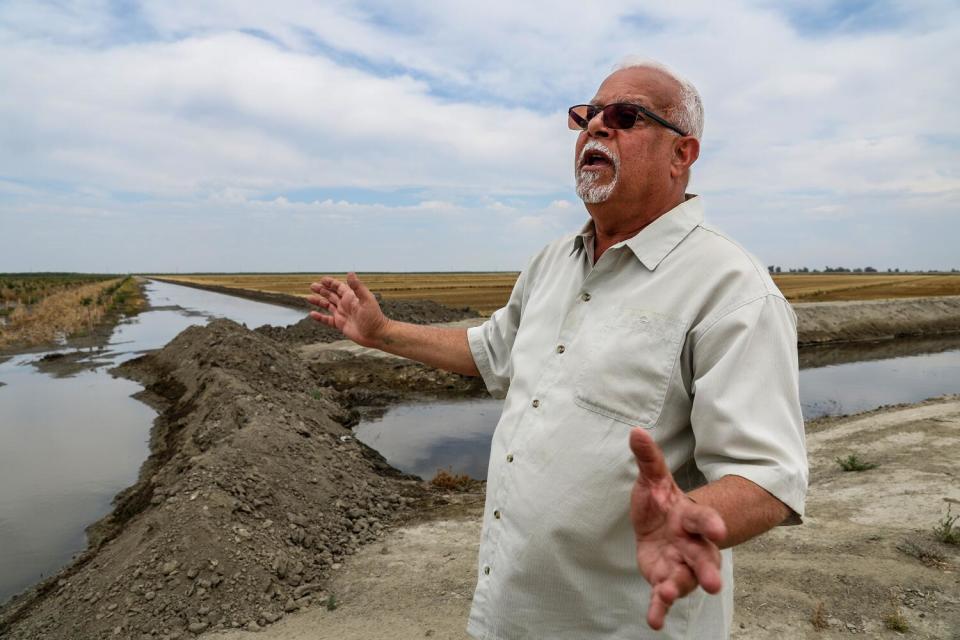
(596, 128)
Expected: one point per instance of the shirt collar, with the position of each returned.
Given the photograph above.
(652, 244)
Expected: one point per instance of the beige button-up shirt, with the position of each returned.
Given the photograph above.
(678, 330)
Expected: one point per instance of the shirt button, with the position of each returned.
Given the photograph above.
(486, 571)
(585, 297)
(496, 514)
(509, 457)
(535, 403)
(561, 348)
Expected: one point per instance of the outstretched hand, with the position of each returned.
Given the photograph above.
(676, 538)
(353, 310)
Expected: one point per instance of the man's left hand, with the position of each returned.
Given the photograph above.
(676, 538)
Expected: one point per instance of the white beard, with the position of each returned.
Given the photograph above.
(588, 191)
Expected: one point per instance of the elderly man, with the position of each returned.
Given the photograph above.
(651, 419)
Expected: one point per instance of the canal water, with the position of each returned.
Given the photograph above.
(424, 438)
(68, 444)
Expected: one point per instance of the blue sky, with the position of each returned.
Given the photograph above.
(304, 136)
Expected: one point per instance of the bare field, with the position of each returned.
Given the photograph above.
(487, 292)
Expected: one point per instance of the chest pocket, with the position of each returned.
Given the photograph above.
(629, 363)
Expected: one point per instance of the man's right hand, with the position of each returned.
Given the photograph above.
(353, 310)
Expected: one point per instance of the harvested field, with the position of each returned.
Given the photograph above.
(843, 287)
(487, 292)
(482, 292)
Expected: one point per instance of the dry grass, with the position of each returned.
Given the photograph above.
(893, 618)
(448, 481)
(487, 292)
(68, 311)
(818, 617)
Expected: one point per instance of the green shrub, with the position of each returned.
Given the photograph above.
(853, 463)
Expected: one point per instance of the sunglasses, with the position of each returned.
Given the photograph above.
(619, 115)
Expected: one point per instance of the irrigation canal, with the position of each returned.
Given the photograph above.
(69, 443)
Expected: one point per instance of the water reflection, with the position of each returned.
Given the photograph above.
(71, 437)
(420, 439)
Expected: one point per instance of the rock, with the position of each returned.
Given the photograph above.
(290, 606)
(149, 595)
(305, 589)
(252, 626)
(169, 567)
(198, 627)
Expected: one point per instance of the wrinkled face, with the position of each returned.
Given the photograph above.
(627, 165)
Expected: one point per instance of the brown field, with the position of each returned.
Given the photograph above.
(487, 292)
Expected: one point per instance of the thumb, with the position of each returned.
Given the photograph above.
(363, 294)
(649, 458)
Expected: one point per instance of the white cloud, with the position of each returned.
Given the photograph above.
(223, 106)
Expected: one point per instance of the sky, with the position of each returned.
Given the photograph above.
(298, 135)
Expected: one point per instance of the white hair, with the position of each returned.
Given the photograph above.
(688, 113)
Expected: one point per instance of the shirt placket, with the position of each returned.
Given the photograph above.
(530, 423)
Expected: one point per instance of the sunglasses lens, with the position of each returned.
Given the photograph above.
(579, 116)
(620, 116)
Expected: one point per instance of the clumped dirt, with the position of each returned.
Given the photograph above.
(254, 492)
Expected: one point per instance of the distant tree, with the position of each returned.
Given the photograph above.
(869, 270)
(770, 268)
(777, 270)
(897, 270)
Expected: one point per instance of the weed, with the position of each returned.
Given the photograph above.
(819, 617)
(331, 602)
(316, 394)
(448, 481)
(853, 463)
(921, 550)
(893, 619)
(946, 529)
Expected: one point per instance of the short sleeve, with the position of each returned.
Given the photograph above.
(746, 407)
(492, 342)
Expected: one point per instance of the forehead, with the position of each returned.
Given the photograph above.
(640, 84)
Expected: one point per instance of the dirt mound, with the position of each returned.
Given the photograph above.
(309, 331)
(253, 493)
(825, 322)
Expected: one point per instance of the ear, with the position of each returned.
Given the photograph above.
(686, 150)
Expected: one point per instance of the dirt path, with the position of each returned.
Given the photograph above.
(417, 581)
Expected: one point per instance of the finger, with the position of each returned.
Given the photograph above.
(323, 318)
(324, 284)
(661, 599)
(649, 457)
(704, 560)
(319, 301)
(703, 521)
(359, 289)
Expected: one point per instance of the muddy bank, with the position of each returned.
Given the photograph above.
(254, 491)
(826, 322)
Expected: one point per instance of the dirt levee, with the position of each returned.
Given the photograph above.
(309, 331)
(254, 491)
(821, 322)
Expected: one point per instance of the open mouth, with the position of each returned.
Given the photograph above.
(595, 157)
